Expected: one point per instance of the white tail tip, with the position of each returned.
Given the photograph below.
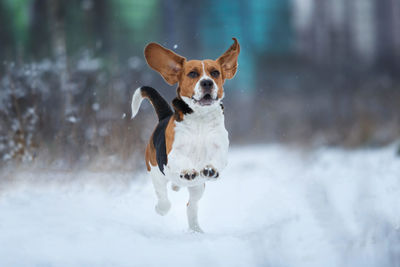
(136, 101)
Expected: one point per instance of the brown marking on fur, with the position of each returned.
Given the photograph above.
(178, 115)
(170, 134)
(186, 83)
(210, 66)
(228, 60)
(166, 62)
(150, 155)
(175, 68)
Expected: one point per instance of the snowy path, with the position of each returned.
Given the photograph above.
(273, 207)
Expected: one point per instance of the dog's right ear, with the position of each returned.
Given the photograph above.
(166, 62)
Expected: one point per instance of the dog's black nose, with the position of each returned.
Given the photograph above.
(206, 84)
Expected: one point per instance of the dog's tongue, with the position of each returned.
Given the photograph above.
(206, 100)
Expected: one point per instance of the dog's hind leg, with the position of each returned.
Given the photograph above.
(195, 194)
(160, 186)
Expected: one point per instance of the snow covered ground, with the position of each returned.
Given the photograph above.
(274, 206)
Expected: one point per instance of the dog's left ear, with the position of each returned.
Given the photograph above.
(166, 62)
(228, 60)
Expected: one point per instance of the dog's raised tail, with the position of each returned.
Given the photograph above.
(161, 106)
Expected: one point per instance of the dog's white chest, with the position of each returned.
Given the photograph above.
(200, 140)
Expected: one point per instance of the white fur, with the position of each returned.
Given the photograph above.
(200, 140)
(160, 186)
(136, 101)
(195, 194)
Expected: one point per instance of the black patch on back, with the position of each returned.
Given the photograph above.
(159, 143)
(161, 106)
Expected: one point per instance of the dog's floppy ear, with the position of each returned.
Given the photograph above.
(166, 62)
(228, 60)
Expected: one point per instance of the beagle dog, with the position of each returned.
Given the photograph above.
(189, 145)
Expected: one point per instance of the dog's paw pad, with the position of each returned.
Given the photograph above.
(189, 175)
(210, 172)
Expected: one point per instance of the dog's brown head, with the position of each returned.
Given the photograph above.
(200, 82)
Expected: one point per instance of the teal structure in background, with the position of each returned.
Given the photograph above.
(262, 27)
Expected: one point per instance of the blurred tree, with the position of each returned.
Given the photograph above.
(187, 26)
(7, 44)
(135, 23)
(170, 27)
(388, 22)
(18, 23)
(101, 24)
(39, 41)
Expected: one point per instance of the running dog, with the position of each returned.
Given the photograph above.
(189, 145)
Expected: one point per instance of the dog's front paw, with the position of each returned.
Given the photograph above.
(209, 172)
(189, 174)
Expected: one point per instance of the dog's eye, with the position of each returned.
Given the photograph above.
(215, 73)
(193, 74)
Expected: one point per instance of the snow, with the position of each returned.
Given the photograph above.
(274, 206)
(95, 106)
(87, 63)
(72, 119)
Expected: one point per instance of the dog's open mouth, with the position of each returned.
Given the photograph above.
(206, 100)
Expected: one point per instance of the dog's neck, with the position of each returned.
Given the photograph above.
(195, 111)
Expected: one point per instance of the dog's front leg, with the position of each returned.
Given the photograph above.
(216, 159)
(195, 194)
(160, 186)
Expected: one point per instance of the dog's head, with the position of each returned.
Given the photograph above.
(200, 82)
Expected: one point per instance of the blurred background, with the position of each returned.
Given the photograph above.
(311, 73)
